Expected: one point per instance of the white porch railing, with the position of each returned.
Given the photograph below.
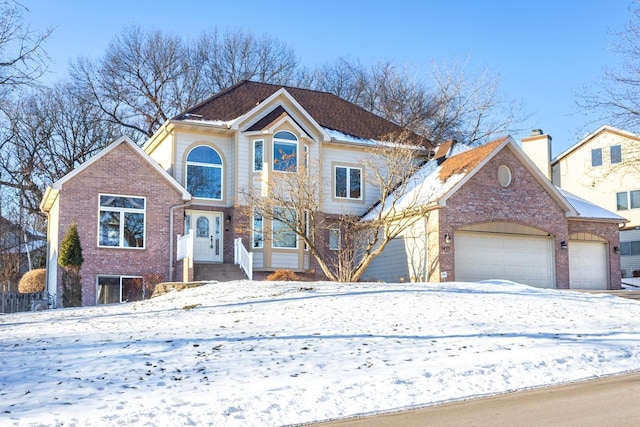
(243, 257)
(185, 246)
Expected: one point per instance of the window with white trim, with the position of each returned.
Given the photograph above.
(121, 221)
(285, 152)
(334, 239)
(204, 173)
(628, 200)
(348, 182)
(283, 235)
(117, 289)
(258, 235)
(258, 155)
(630, 248)
(596, 157)
(616, 154)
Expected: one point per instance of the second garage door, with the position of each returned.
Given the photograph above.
(588, 265)
(520, 258)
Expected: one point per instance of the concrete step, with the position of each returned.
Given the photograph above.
(217, 272)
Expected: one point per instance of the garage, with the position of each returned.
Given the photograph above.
(522, 258)
(588, 265)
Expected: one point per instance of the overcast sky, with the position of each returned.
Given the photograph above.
(544, 50)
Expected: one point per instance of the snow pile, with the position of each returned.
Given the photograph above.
(264, 353)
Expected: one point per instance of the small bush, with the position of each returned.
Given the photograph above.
(636, 273)
(33, 281)
(283, 275)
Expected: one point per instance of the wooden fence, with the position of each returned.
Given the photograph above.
(14, 302)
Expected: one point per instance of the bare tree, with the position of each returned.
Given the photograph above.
(228, 57)
(290, 205)
(617, 95)
(22, 57)
(138, 83)
(53, 131)
(145, 78)
(453, 105)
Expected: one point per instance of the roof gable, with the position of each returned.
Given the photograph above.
(468, 163)
(590, 137)
(52, 190)
(328, 110)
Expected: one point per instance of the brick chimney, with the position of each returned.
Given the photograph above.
(538, 147)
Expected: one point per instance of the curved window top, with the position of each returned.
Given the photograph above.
(204, 154)
(285, 135)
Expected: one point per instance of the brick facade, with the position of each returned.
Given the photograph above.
(120, 172)
(527, 202)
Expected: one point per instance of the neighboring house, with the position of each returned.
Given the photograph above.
(172, 208)
(20, 251)
(499, 217)
(604, 168)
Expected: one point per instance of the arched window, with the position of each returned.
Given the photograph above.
(285, 152)
(204, 173)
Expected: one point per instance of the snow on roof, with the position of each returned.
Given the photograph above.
(424, 187)
(587, 209)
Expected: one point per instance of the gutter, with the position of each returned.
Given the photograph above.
(171, 212)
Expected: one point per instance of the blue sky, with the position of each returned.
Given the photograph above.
(544, 50)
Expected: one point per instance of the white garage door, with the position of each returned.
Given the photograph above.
(588, 265)
(520, 258)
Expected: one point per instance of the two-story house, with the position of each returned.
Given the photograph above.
(173, 205)
(604, 168)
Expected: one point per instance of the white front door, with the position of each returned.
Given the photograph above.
(207, 240)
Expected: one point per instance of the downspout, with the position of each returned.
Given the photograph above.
(171, 211)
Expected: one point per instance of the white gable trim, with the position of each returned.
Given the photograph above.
(570, 211)
(53, 190)
(592, 135)
(272, 102)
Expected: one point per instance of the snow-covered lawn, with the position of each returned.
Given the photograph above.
(269, 354)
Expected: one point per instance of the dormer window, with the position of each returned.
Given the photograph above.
(285, 152)
(204, 173)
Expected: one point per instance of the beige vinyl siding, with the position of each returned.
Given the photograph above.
(599, 184)
(345, 156)
(163, 154)
(223, 144)
(54, 239)
(285, 260)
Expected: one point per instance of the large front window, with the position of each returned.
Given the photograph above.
(348, 182)
(116, 289)
(283, 235)
(122, 221)
(204, 173)
(285, 152)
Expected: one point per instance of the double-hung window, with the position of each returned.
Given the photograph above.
(121, 221)
(348, 182)
(616, 154)
(285, 152)
(596, 157)
(204, 173)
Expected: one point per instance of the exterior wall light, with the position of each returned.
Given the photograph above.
(447, 238)
(616, 249)
(563, 245)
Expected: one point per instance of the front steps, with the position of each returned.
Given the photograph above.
(217, 272)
